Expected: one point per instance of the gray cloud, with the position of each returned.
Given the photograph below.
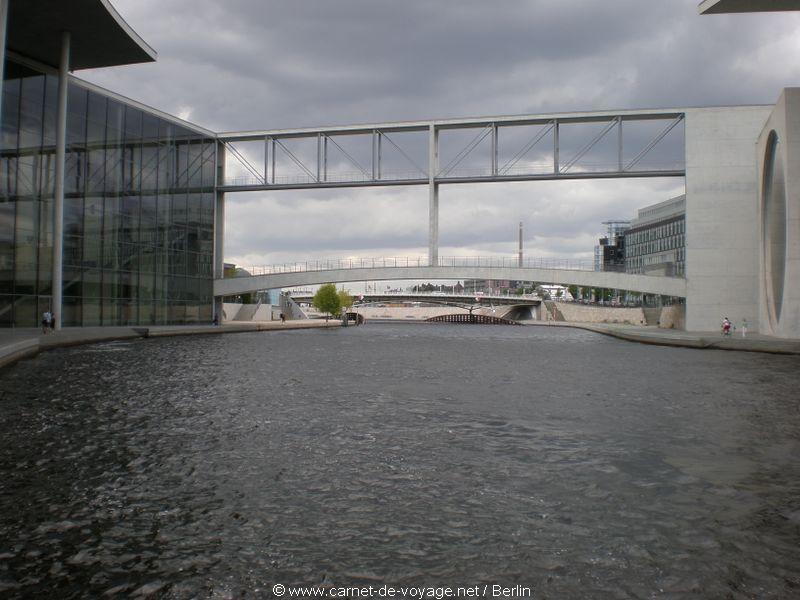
(258, 64)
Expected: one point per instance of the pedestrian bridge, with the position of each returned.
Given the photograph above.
(555, 271)
(436, 297)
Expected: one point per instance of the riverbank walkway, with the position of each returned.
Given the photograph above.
(19, 343)
(752, 342)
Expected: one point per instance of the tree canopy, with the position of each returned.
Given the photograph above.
(345, 299)
(327, 299)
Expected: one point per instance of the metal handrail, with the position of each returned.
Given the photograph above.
(493, 262)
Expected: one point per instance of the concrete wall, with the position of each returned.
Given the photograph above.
(235, 311)
(246, 312)
(408, 312)
(779, 234)
(230, 310)
(264, 313)
(722, 231)
(580, 313)
(672, 317)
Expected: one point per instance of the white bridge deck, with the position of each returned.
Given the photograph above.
(540, 271)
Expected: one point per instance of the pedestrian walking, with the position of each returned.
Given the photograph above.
(53, 322)
(283, 318)
(46, 317)
(726, 326)
(744, 327)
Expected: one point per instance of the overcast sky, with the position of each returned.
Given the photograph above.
(268, 64)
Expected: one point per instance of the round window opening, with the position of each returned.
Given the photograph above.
(773, 219)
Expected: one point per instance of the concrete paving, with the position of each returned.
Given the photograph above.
(19, 343)
(753, 342)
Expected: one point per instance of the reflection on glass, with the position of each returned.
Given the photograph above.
(138, 209)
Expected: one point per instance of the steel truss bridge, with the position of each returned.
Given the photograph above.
(541, 271)
(544, 139)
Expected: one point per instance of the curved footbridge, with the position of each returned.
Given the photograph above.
(665, 286)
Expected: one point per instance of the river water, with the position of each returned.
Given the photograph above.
(573, 464)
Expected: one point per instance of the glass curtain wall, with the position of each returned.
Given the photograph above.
(138, 209)
(655, 246)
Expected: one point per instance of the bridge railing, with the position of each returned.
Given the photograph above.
(466, 296)
(529, 169)
(499, 262)
(340, 177)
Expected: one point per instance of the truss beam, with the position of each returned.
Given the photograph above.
(319, 175)
(315, 169)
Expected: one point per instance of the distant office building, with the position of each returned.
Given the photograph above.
(488, 286)
(609, 254)
(655, 244)
(557, 292)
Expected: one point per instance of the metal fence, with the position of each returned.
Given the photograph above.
(494, 262)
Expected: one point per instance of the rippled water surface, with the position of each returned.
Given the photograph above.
(575, 464)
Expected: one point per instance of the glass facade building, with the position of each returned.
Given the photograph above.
(138, 208)
(656, 243)
(609, 254)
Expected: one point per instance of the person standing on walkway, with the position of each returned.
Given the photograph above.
(744, 327)
(726, 326)
(46, 318)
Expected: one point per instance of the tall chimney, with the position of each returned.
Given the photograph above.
(520, 244)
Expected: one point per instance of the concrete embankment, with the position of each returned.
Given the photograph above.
(16, 344)
(573, 312)
(686, 339)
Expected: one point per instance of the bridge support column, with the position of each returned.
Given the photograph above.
(219, 229)
(433, 225)
(58, 197)
(433, 197)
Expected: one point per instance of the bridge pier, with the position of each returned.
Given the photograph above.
(433, 196)
(433, 228)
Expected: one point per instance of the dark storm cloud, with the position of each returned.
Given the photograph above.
(263, 64)
(249, 64)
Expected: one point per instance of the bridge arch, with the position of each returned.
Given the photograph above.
(665, 286)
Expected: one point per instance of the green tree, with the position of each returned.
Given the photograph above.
(345, 299)
(327, 300)
(573, 290)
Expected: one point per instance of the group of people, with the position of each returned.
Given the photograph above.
(728, 327)
(48, 321)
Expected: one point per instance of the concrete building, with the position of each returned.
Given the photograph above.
(655, 242)
(112, 212)
(778, 217)
(761, 208)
